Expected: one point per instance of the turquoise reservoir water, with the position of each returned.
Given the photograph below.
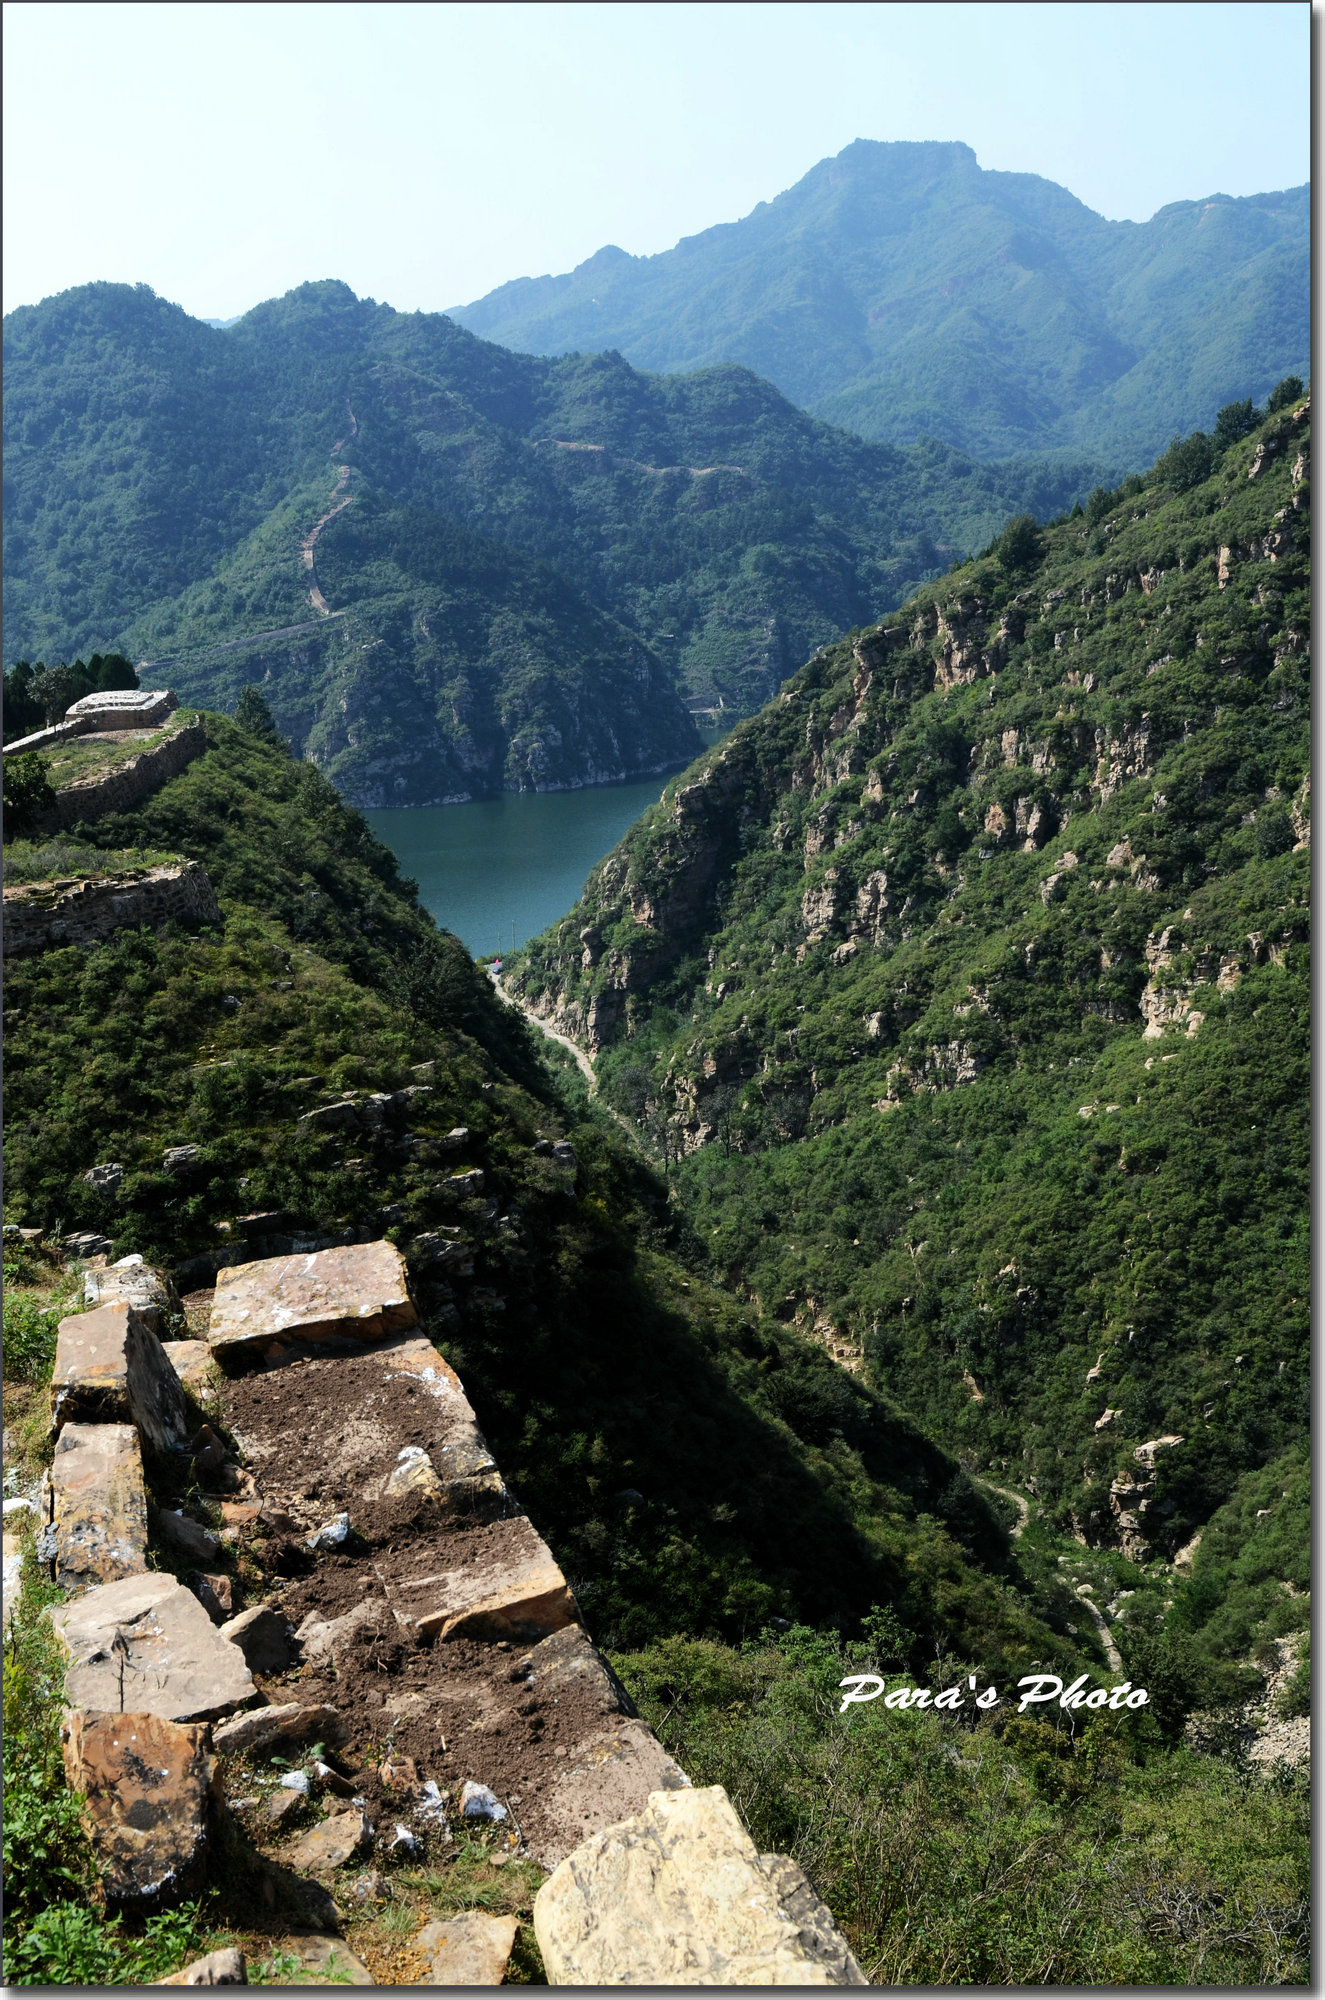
(509, 867)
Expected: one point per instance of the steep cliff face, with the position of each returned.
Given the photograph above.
(968, 983)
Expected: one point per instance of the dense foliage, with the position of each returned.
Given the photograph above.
(901, 290)
(1043, 1849)
(966, 990)
(527, 557)
(692, 1464)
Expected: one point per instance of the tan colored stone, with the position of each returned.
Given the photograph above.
(331, 1843)
(509, 1588)
(678, 1897)
(145, 1781)
(145, 1645)
(265, 1637)
(131, 1282)
(192, 1362)
(110, 1369)
(467, 1950)
(98, 1527)
(273, 1730)
(325, 1961)
(359, 1289)
(413, 1473)
(219, 1968)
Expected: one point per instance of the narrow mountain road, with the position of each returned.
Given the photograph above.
(1111, 1653)
(1022, 1506)
(309, 543)
(583, 1061)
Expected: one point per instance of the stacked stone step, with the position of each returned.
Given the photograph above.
(385, 1529)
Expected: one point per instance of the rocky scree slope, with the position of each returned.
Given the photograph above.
(902, 290)
(966, 987)
(531, 564)
(324, 1067)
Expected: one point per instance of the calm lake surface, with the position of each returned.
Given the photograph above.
(505, 868)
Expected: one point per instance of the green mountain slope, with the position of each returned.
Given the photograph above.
(694, 1466)
(901, 290)
(966, 987)
(164, 478)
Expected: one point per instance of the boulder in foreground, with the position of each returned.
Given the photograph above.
(678, 1897)
(356, 1289)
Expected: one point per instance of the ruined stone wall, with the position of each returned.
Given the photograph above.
(122, 788)
(45, 916)
(406, 1621)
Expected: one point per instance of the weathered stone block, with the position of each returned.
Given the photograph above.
(360, 1289)
(494, 1581)
(467, 1950)
(194, 1540)
(145, 1645)
(332, 1843)
(192, 1363)
(110, 1368)
(219, 1968)
(97, 1530)
(269, 1731)
(146, 1782)
(325, 1961)
(265, 1637)
(678, 1897)
(131, 1282)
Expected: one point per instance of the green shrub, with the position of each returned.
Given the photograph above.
(29, 1336)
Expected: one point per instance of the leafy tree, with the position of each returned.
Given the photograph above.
(254, 717)
(27, 792)
(54, 690)
(1290, 390)
(1186, 462)
(1018, 547)
(1234, 421)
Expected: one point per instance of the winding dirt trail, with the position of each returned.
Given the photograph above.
(1022, 1506)
(583, 1061)
(309, 543)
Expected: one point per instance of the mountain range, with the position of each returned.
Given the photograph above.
(902, 291)
(452, 568)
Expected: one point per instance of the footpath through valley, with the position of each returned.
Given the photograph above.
(315, 1649)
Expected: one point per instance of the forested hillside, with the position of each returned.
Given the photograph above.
(966, 989)
(524, 570)
(904, 292)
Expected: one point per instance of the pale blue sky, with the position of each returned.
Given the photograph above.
(426, 153)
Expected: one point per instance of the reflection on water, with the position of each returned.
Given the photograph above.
(498, 871)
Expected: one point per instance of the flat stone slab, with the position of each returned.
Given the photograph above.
(359, 1289)
(146, 1783)
(471, 1949)
(145, 1645)
(678, 1896)
(110, 1369)
(495, 1580)
(192, 1362)
(97, 1531)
